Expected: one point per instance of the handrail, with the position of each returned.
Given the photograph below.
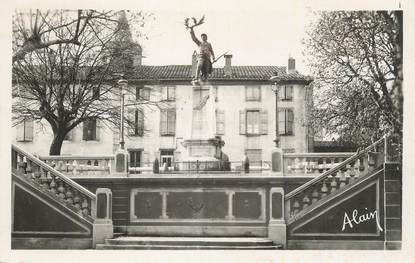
(61, 176)
(76, 157)
(333, 170)
(319, 155)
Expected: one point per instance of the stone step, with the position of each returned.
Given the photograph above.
(131, 242)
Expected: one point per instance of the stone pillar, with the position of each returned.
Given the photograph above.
(102, 228)
(277, 161)
(121, 163)
(393, 206)
(277, 230)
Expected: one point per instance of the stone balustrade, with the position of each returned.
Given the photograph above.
(52, 182)
(81, 165)
(311, 164)
(334, 179)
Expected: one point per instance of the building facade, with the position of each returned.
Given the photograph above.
(237, 105)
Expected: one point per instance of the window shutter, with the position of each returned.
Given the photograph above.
(242, 122)
(164, 93)
(129, 121)
(29, 130)
(290, 121)
(173, 93)
(289, 91)
(281, 121)
(264, 122)
(97, 129)
(85, 125)
(140, 122)
(220, 122)
(171, 122)
(163, 122)
(258, 93)
(20, 132)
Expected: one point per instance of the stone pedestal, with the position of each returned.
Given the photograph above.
(277, 229)
(102, 228)
(276, 162)
(121, 163)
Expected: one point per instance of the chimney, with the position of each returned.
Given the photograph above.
(291, 65)
(194, 63)
(228, 65)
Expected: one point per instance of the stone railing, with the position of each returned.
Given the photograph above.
(73, 165)
(53, 182)
(338, 177)
(311, 164)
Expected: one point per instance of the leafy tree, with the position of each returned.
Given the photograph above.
(356, 58)
(67, 83)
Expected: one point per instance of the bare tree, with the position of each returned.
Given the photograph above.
(356, 58)
(67, 84)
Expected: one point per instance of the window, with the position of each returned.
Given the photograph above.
(286, 93)
(25, 131)
(254, 156)
(168, 122)
(136, 122)
(166, 156)
(135, 159)
(95, 93)
(90, 130)
(142, 93)
(220, 122)
(253, 93)
(168, 93)
(253, 122)
(286, 122)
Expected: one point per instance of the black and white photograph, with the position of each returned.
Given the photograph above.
(210, 126)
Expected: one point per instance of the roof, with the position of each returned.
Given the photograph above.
(184, 72)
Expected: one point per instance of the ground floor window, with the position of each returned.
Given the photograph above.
(167, 156)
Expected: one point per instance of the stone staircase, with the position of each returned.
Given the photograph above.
(197, 243)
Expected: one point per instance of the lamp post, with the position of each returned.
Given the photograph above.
(275, 88)
(123, 85)
(276, 153)
(121, 156)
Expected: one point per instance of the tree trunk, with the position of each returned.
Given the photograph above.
(56, 145)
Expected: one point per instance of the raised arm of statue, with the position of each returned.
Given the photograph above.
(194, 38)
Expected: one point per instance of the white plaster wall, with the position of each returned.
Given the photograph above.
(231, 99)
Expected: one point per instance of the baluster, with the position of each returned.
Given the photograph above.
(296, 207)
(61, 190)
(43, 179)
(20, 164)
(69, 195)
(306, 201)
(343, 179)
(29, 169)
(85, 206)
(77, 201)
(333, 183)
(52, 185)
(314, 195)
(296, 165)
(324, 164)
(324, 190)
(352, 171)
(38, 175)
(75, 167)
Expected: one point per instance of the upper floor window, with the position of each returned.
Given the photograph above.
(253, 122)
(136, 125)
(286, 121)
(90, 130)
(142, 93)
(253, 93)
(220, 122)
(286, 93)
(25, 130)
(95, 93)
(168, 93)
(168, 122)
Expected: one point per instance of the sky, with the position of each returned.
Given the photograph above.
(254, 32)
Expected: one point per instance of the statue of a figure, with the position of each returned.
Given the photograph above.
(205, 54)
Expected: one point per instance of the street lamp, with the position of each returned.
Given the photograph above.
(275, 88)
(123, 85)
